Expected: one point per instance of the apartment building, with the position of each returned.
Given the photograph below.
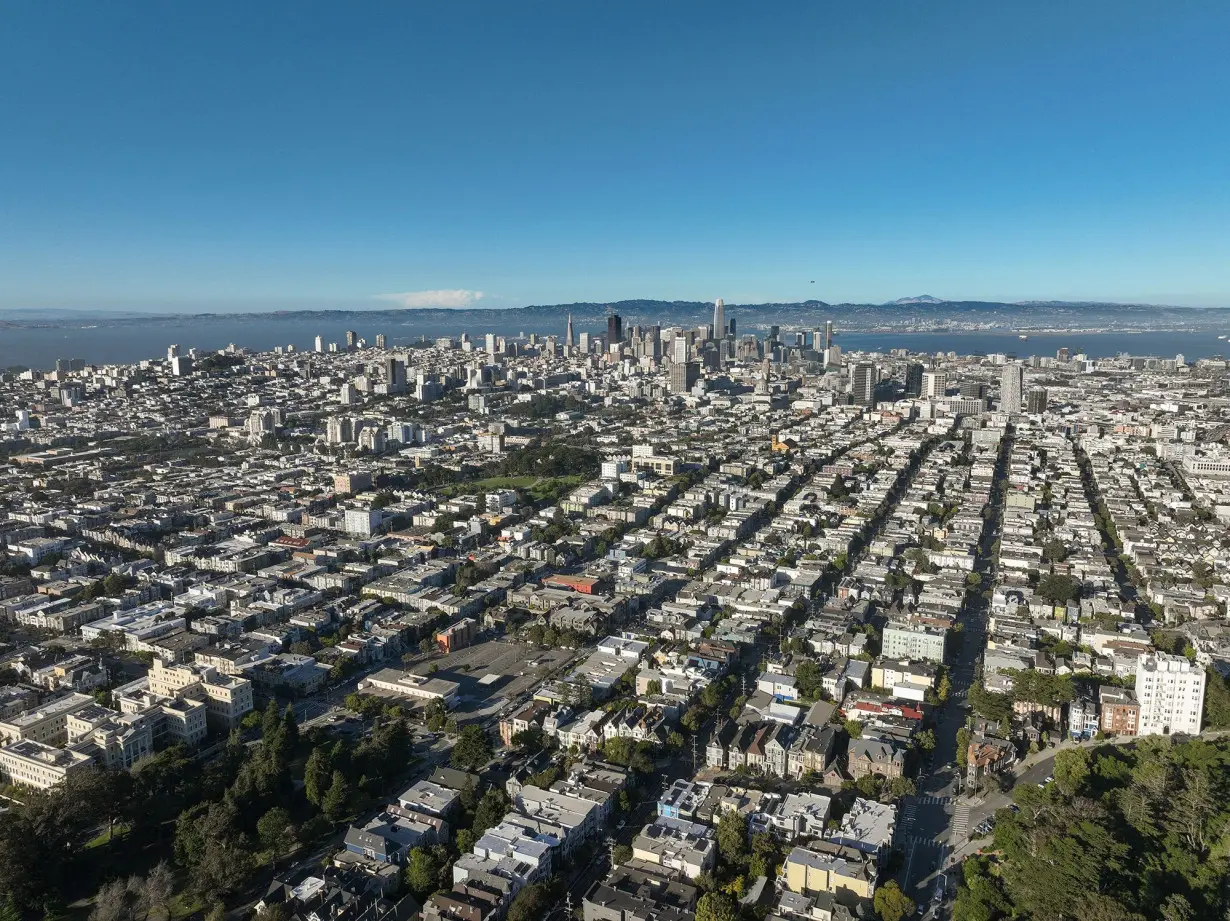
(1171, 694)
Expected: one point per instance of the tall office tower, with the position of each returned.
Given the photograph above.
(913, 379)
(719, 319)
(732, 327)
(774, 332)
(395, 374)
(683, 377)
(934, 383)
(1170, 691)
(679, 350)
(320, 343)
(863, 384)
(1011, 387)
(614, 329)
(832, 356)
(1035, 400)
(569, 342)
(583, 343)
(349, 394)
(181, 366)
(382, 341)
(352, 338)
(974, 390)
(172, 352)
(1063, 354)
(828, 334)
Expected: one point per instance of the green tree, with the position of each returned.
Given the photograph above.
(854, 729)
(473, 749)
(891, 904)
(491, 810)
(1071, 769)
(963, 739)
(317, 775)
(531, 904)
(337, 802)
(926, 740)
(275, 831)
(716, 906)
(732, 838)
(422, 873)
(621, 854)
(809, 679)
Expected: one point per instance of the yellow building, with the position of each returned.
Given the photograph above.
(810, 871)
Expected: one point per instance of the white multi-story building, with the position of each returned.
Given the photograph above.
(934, 383)
(1170, 690)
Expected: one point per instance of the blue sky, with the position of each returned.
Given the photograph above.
(252, 156)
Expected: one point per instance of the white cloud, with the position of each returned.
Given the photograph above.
(445, 297)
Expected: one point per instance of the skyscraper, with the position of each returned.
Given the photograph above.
(719, 319)
(828, 334)
(1035, 400)
(614, 329)
(1011, 387)
(863, 384)
(732, 327)
(913, 379)
(320, 343)
(382, 341)
(683, 376)
(569, 342)
(352, 338)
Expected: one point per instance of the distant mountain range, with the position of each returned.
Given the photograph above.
(921, 313)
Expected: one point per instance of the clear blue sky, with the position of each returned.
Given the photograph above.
(259, 155)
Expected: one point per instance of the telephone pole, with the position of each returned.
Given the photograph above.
(695, 742)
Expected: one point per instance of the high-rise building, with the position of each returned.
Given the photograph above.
(395, 374)
(349, 394)
(614, 329)
(719, 319)
(679, 350)
(1035, 400)
(172, 352)
(583, 343)
(863, 384)
(913, 379)
(732, 327)
(683, 376)
(828, 334)
(1170, 690)
(339, 430)
(382, 341)
(491, 344)
(973, 390)
(1063, 354)
(352, 339)
(1011, 388)
(569, 342)
(181, 366)
(934, 384)
(320, 343)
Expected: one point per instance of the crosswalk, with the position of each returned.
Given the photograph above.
(960, 822)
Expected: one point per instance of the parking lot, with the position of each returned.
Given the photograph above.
(493, 672)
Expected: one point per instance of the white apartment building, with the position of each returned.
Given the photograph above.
(1170, 690)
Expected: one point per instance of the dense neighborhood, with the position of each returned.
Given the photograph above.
(655, 625)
